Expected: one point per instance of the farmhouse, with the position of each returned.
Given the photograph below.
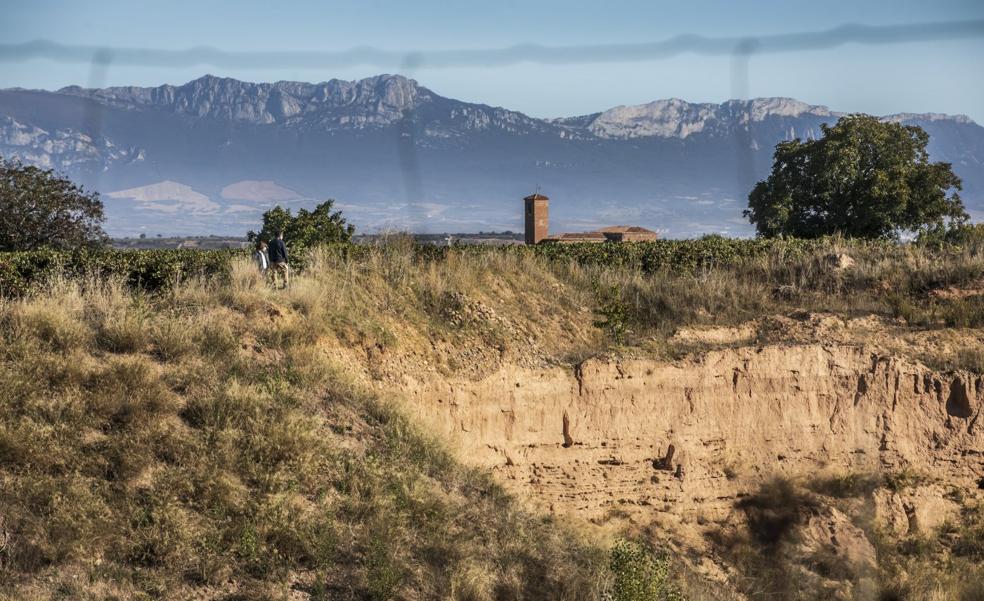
(537, 208)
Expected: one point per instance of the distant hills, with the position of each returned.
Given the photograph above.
(210, 155)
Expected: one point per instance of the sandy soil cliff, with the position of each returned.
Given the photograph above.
(679, 444)
(688, 437)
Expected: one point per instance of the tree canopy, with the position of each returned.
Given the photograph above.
(43, 210)
(306, 228)
(863, 178)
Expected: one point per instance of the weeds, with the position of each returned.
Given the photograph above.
(612, 313)
(639, 575)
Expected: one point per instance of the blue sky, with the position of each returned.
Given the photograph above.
(938, 76)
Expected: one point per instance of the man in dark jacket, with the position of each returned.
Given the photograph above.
(278, 260)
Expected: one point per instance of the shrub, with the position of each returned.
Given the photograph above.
(612, 313)
(42, 209)
(639, 575)
(151, 270)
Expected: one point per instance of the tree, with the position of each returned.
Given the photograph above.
(863, 178)
(307, 228)
(43, 210)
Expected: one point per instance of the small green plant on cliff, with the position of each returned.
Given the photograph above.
(640, 575)
(613, 315)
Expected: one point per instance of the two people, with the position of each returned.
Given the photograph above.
(272, 259)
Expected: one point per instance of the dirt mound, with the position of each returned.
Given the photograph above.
(954, 292)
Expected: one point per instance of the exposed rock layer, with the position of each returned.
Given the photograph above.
(599, 438)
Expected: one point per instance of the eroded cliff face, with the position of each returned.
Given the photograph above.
(688, 438)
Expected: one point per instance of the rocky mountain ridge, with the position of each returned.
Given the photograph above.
(383, 100)
(378, 101)
(400, 155)
(61, 149)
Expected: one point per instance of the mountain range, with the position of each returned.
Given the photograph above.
(210, 155)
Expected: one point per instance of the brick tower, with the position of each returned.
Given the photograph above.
(536, 217)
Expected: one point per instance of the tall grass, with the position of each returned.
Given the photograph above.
(201, 441)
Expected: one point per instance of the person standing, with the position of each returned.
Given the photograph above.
(278, 260)
(261, 259)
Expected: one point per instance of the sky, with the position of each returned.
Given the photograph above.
(940, 75)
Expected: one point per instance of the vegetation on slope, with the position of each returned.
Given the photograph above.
(774, 562)
(200, 442)
(203, 439)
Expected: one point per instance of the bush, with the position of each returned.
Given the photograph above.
(612, 313)
(307, 229)
(45, 210)
(678, 256)
(150, 270)
(639, 575)
(160, 269)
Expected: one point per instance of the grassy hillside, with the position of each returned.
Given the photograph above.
(209, 441)
(201, 445)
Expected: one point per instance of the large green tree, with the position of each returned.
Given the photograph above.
(863, 178)
(41, 209)
(321, 225)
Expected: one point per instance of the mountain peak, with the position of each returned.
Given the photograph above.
(781, 106)
(907, 117)
(378, 100)
(676, 118)
(384, 99)
(208, 78)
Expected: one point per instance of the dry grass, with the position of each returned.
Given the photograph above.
(767, 552)
(374, 298)
(944, 565)
(201, 443)
(892, 281)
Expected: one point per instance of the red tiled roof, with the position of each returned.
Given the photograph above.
(578, 236)
(625, 229)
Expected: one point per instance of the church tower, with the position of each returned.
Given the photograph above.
(536, 217)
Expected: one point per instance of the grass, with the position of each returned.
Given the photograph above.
(767, 549)
(210, 441)
(892, 281)
(200, 441)
(936, 566)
